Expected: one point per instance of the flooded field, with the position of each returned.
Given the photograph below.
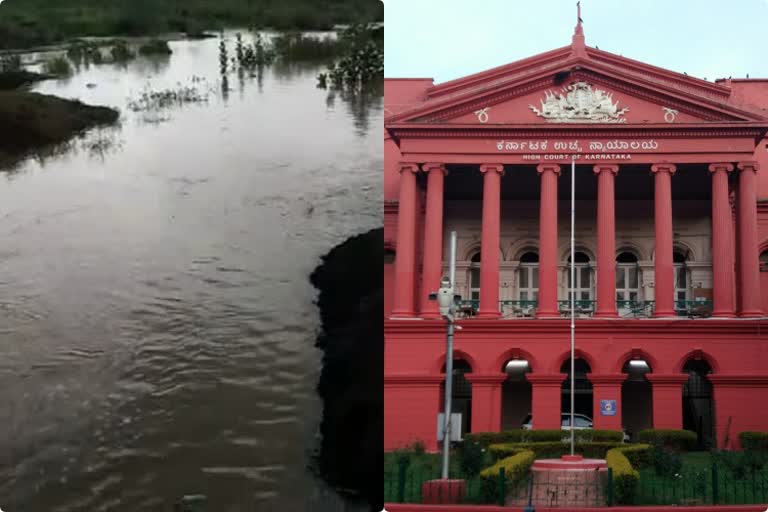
(157, 323)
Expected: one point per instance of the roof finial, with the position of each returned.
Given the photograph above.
(578, 43)
(578, 17)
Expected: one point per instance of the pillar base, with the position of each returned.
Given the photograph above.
(724, 314)
(431, 316)
(751, 314)
(606, 314)
(547, 314)
(665, 314)
(488, 314)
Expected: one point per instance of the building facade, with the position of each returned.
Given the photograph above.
(671, 258)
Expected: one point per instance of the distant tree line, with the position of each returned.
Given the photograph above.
(26, 23)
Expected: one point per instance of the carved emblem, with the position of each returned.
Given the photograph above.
(579, 103)
(669, 114)
(482, 114)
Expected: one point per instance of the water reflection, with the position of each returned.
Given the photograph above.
(158, 324)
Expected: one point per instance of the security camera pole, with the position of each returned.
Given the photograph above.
(447, 302)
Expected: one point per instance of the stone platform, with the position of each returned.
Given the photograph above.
(571, 481)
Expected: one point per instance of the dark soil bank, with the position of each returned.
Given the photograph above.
(29, 121)
(351, 302)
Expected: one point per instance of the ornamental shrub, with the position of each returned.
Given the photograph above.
(551, 449)
(625, 477)
(754, 441)
(471, 458)
(598, 436)
(515, 436)
(666, 462)
(516, 468)
(678, 440)
(488, 438)
(639, 455)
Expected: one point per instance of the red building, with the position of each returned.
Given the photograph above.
(671, 230)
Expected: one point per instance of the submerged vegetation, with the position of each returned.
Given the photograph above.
(362, 62)
(58, 66)
(155, 47)
(152, 101)
(26, 23)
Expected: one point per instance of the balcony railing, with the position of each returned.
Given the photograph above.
(635, 308)
(582, 308)
(693, 308)
(586, 308)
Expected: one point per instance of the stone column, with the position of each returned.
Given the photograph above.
(722, 237)
(433, 239)
(547, 306)
(667, 399)
(546, 397)
(490, 241)
(405, 258)
(486, 401)
(664, 268)
(607, 387)
(606, 241)
(749, 260)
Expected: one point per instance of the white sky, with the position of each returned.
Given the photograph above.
(447, 39)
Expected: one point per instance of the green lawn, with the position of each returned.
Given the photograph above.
(695, 484)
(420, 468)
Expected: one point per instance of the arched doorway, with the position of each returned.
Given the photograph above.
(636, 398)
(698, 413)
(582, 388)
(515, 394)
(461, 393)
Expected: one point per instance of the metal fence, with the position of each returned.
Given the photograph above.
(714, 484)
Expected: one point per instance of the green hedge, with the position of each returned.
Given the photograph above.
(625, 477)
(534, 436)
(754, 441)
(516, 468)
(680, 440)
(551, 449)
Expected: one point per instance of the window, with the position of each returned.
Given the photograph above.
(528, 282)
(474, 277)
(764, 261)
(627, 278)
(583, 288)
(681, 276)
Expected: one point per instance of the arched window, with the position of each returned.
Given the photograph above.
(682, 283)
(474, 277)
(583, 287)
(627, 279)
(764, 261)
(528, 277)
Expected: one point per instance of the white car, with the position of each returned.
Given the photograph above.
(581, 422)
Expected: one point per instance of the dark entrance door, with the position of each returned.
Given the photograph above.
(698, 414)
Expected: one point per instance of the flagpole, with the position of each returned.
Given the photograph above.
(573, 290)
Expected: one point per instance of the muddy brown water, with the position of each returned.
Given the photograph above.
(157, 323)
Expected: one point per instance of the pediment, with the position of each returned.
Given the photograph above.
(579, 90)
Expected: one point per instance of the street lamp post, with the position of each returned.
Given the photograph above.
(447, 302)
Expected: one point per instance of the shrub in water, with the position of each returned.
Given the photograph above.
(58, 66)
(120, 51)
(10, 63)
(155, 47)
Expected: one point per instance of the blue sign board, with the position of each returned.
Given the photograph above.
(607, 407)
